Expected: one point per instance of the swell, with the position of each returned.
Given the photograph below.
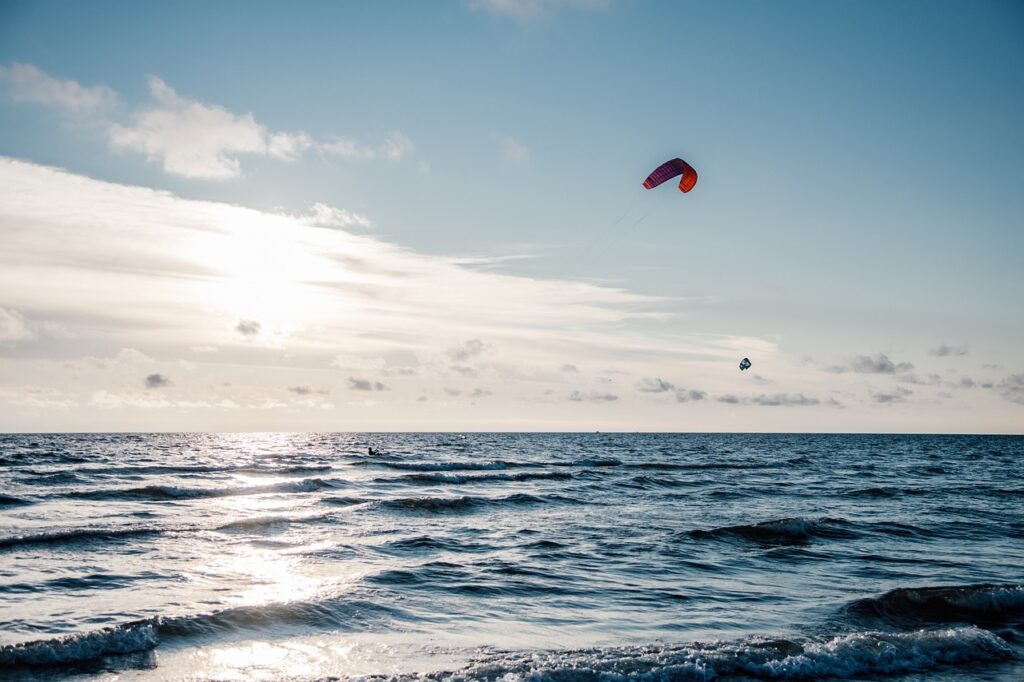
(173, 492)
(980, 604)
(467, 502)
(437, 478)
(789, 531)
(70, 536)
(800, 531)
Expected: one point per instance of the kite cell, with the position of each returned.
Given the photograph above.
(669, 170)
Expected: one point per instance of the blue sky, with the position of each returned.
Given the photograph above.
(859, 197)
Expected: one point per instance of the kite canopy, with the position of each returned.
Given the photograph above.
(669, 170)
(745, 364)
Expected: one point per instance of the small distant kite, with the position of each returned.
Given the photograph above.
(669, 170)
(744, 364)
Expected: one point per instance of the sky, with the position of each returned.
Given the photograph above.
(397, 216)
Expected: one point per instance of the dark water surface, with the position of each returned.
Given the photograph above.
(512, 556)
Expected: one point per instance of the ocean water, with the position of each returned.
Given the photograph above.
(511, 556)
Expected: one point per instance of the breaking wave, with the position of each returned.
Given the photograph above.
(847, 655)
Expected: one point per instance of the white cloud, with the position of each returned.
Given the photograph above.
(186, 273)
(197, 140)
(512, 149)
(396, 145)
(323, 215)
(525, 10)
(28, 84)
(13, 326)
(187, 137)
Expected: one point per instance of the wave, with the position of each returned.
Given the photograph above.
(913, 606)
(98, 534)
(173, 492)
(264, 522)
(847, 655)
(465, 502)
(457, 479)
(144, 635)
(790, 531)
(490, 465)
(117, 640)
(72, 535)
(701, 466)
(11, 501)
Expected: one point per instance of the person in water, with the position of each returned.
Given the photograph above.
(371, 451)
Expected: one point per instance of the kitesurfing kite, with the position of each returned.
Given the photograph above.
(745, 364)
(669, 170)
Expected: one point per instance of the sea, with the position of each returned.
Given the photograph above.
(511, 556)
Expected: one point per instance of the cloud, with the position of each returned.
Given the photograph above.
(322, 215)
(772, 400)
(27, 83)
(654, 386)
(569, 368)
(452, 391)
(967, 382)
(684, 395)
(480, 393)
(248, 327)
(157, 381)
(307, 390)
(526, 10)
(197, 140)
(943, 350)
(912, 378)
(594, 397)
(898, 396)
(872, 364)
(1012, 388)
(512, 149)
(13, 326)
(470, 349)
(365, 385)
(396, 145)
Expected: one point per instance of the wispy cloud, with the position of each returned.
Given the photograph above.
(897, 396)
(198, 140)
(13, 326)
(1012, 388)
(687, 395)
(654, 386)
(772, 400)
(188, 137)
(943, 350)
(526, 10)
(357, 384)
(872, 364)
(27, 83)
(323, 215)
(512, 149)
